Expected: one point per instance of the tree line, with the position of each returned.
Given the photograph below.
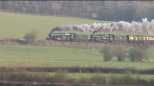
(106, 10)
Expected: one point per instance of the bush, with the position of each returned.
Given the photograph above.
(107, 53)
(114, 51)
(30, 37)
(137, 53)
(120, 53)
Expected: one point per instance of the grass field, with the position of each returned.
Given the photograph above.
(18, 55)
(90, 75)
(47, 56)
(16, 25)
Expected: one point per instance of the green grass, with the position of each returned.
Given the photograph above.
(16, 25)
(60, 56)
(90, 75)
(47, 56)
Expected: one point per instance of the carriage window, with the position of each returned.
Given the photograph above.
(131, 38)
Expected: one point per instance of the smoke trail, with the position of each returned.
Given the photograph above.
(143, 27)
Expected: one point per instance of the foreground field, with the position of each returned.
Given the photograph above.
(63, 79)
(24, 55)
(16, 25)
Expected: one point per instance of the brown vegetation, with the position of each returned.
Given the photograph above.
(133, 53)
(61, 79)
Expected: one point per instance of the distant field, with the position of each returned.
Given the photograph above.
(16, 25)
(61, 56)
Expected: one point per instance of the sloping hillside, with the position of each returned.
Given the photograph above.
(16, 25)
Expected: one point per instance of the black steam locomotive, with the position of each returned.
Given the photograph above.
(94, 37)
(61, 36)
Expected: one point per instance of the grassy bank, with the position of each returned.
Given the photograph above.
(26, 55)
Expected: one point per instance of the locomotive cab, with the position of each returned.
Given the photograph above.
(61, 36)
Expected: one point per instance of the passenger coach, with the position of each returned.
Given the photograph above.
(140, 39)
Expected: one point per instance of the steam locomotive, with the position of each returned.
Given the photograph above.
(63, 36)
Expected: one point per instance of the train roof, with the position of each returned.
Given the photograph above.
(61, 33)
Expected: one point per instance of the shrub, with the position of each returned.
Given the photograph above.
(30, 37)
(120, 53)
(137, 53)
(107, 53)
(114, 51)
